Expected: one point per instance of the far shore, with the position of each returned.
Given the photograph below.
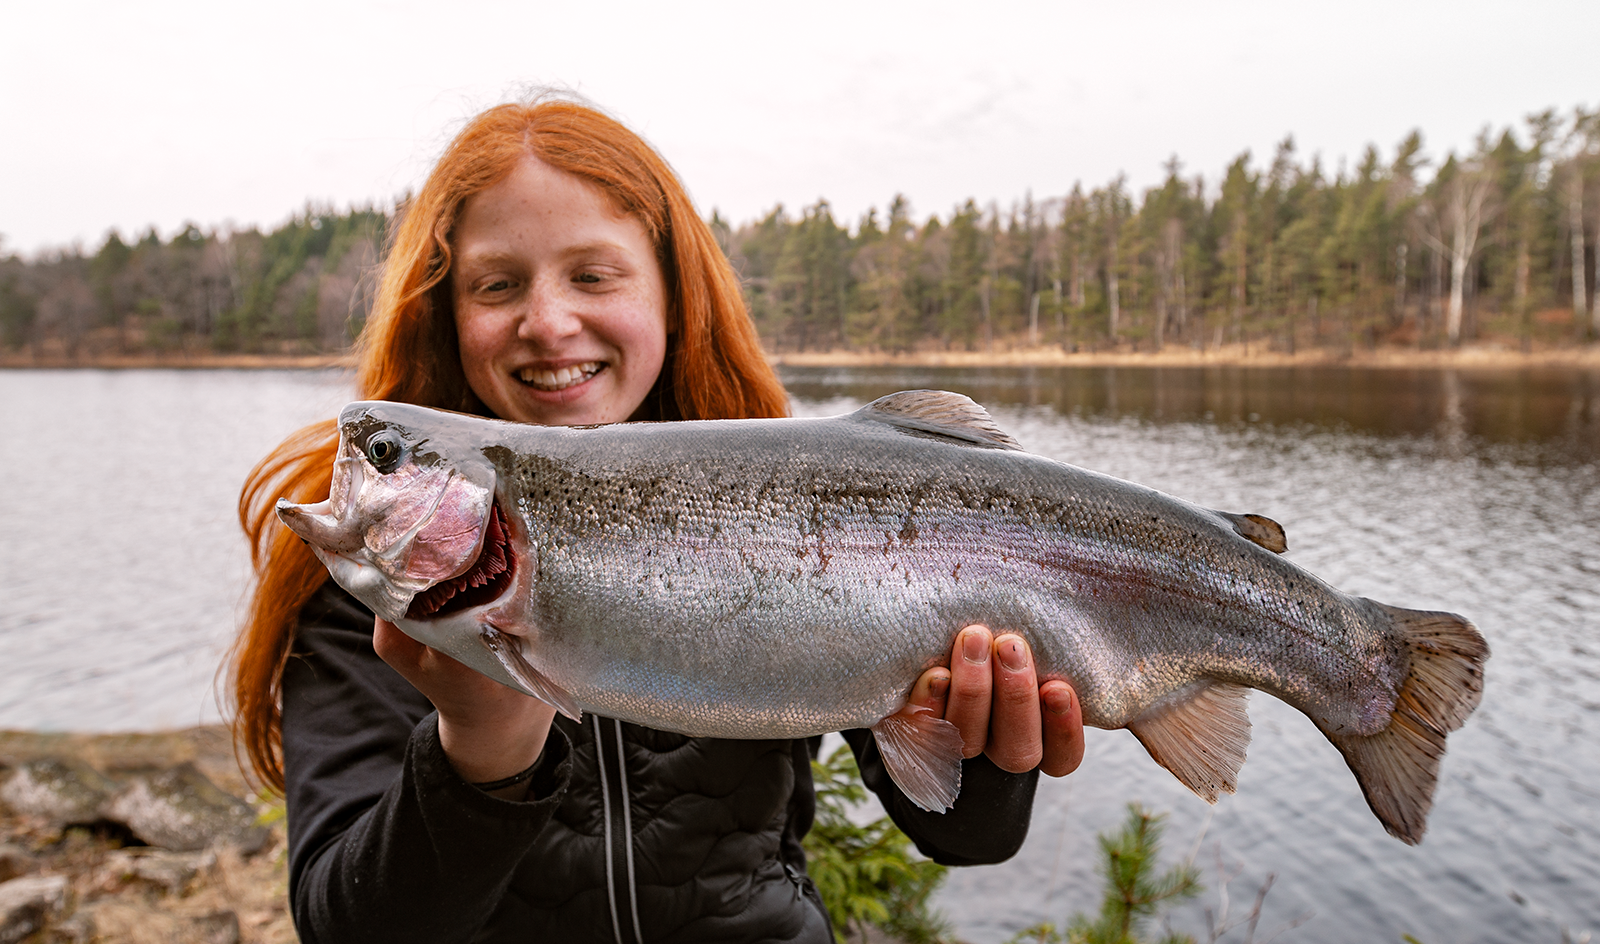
(1479, 356)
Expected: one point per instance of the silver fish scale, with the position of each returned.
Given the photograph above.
(807, 571)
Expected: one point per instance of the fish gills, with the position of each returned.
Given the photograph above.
(1397, 767)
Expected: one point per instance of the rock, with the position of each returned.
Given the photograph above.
(179, 809)
(61, 791)
(133, 922)
(14, 861)
(76, 928)
(25, 904)
(219, 927)
(144, 922)
(172, 871)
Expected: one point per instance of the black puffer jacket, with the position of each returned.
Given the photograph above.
(668, 838)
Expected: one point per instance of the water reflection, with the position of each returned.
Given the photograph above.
(1550, 414)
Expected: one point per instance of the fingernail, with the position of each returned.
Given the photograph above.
(938, 686)
(1058, 700)
(1013, 655)
(975, 648)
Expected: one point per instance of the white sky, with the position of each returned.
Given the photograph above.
(131, 114)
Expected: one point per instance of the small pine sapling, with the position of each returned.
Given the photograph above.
(867, 874)
(1133, 891)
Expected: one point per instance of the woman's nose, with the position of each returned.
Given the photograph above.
(549, 315)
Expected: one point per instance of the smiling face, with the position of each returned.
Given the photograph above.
(560, 305)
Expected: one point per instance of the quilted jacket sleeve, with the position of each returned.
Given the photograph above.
(987, 824)
(386, 842)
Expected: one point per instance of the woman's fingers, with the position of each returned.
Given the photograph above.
(971, 688)
(488, 731)
(932, 691)
(450, 685)
(1063, 728)
(1015, 741)
(403, 653)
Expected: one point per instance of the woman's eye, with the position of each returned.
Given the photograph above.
(498, 285)
(383, 451)
(589, 278)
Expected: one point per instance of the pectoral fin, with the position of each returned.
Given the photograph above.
(505, 649)
(1200, 734)
(922, 752)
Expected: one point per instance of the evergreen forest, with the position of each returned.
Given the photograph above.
(1279, 253)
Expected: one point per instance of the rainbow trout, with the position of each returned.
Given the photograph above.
(784, 578)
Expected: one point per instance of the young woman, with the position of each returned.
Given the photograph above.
(552, 270)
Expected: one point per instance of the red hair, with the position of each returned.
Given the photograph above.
(714, 366)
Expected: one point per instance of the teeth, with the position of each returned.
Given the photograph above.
(559, 379)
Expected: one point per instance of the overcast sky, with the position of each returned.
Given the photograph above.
(129, 115)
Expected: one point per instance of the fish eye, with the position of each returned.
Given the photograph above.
(383, 451)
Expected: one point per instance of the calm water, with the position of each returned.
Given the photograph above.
(122, 563)
(121, 571)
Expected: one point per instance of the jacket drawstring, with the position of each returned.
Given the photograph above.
(617, 833)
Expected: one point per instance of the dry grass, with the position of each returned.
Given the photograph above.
(1476, 356)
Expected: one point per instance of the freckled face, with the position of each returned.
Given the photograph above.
(560, 306)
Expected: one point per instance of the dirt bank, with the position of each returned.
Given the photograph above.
(118, 889)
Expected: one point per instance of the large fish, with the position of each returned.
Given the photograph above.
(783, 578)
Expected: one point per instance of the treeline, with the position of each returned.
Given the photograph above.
(302, 288)
(1499, 242)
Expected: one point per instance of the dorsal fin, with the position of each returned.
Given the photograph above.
(1263, 531)
(942, 413)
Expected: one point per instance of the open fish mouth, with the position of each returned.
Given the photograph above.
(489, 576)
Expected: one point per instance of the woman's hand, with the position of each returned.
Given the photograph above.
(992, 695)
(488, 731)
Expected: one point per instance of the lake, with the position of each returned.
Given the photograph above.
(122, 569)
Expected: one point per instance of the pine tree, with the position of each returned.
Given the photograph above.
(867, 874)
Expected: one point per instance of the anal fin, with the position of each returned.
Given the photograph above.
(1200, 734)
(506, 649)
(922, 753)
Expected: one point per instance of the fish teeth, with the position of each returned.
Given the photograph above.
(559, 379)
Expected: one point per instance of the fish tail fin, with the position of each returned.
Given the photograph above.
(1399, 766)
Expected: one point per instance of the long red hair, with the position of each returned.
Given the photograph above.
(714, 367)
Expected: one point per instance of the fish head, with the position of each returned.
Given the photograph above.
(409, 525)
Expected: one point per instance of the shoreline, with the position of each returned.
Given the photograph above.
(1478, 356)
(208, 746)
(1486, 356)
(14, 361)
(77, 875)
